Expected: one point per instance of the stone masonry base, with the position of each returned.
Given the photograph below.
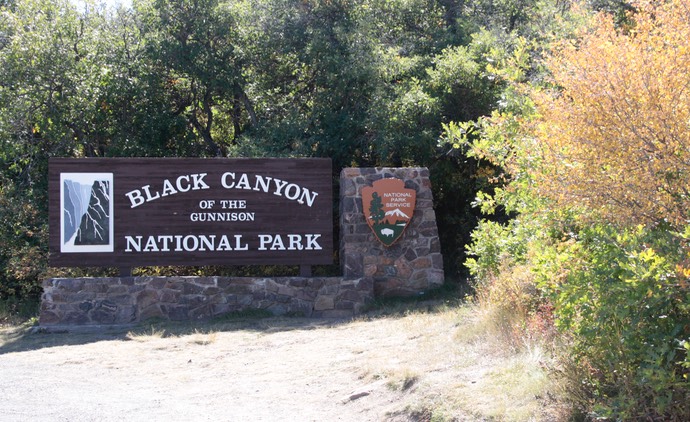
(410, 266)
(127, 300)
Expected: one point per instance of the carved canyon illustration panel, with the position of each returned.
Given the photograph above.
(86, 222)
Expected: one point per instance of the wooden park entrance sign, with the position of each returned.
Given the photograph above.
(133, 212)
(152, 211)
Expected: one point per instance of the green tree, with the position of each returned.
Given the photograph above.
(192, 51)
(49, 89)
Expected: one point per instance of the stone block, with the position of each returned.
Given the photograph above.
(153, 311)
(335, 313)
(315, 284)
(286, 290)
(282, 298)
(277, 308)
(403, 269)
(170, 296)
(365, 284)
(124, 299)
(324, 303)
(47, 304)
(362, 229)
(205, 281)
(192, 289)
(221, 308)
(224, 282)
(297, 282)
(237, 289)
(157, 283)
(437, 261)
(48, 318)
(97, 287)
(193, 301)
(75, 318)
(115, 289)
(174, 285)
(201, 312)
(70, 284)
(352, 266)
(85, 306)
(125, 281)
(419, 281)
(435, 246)
(306, 294)
(135, 288)
(56, 296)
(146, 298)
(421, 263)
(329, 289)
(348, 295)
(345, 304)
(74, 297)
(176, 312)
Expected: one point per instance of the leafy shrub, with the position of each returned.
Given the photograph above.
(598, 232)
(627, 303)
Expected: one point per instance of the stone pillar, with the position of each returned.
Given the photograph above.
(412, 264)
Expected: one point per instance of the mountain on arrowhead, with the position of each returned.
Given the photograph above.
(396, 213)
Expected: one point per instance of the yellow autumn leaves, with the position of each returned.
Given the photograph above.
(614, 132)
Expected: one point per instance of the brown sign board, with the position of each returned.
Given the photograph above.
(127, 212)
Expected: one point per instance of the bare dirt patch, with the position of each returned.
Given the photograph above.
(430, 362)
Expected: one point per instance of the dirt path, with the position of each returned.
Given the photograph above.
(399, 368)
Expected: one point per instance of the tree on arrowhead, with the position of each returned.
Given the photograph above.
(376, 212)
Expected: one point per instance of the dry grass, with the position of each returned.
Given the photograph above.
(453, 364)
(203, 339)
(146, 335)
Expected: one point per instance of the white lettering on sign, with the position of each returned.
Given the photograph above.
(222, 216)
(295, 242)
(183, 183)
(398, 199)
(212, 242)
(182, 243)
(233, 204)
(266, 184)
(229, 180)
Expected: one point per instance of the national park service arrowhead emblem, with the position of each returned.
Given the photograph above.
(388, 208)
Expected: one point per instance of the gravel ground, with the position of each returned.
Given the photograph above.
(412, 366)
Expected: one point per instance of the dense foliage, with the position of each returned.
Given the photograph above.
(365, 82)
(595, 156)
(616, 140)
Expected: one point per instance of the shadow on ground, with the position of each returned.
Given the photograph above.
(26, 337)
